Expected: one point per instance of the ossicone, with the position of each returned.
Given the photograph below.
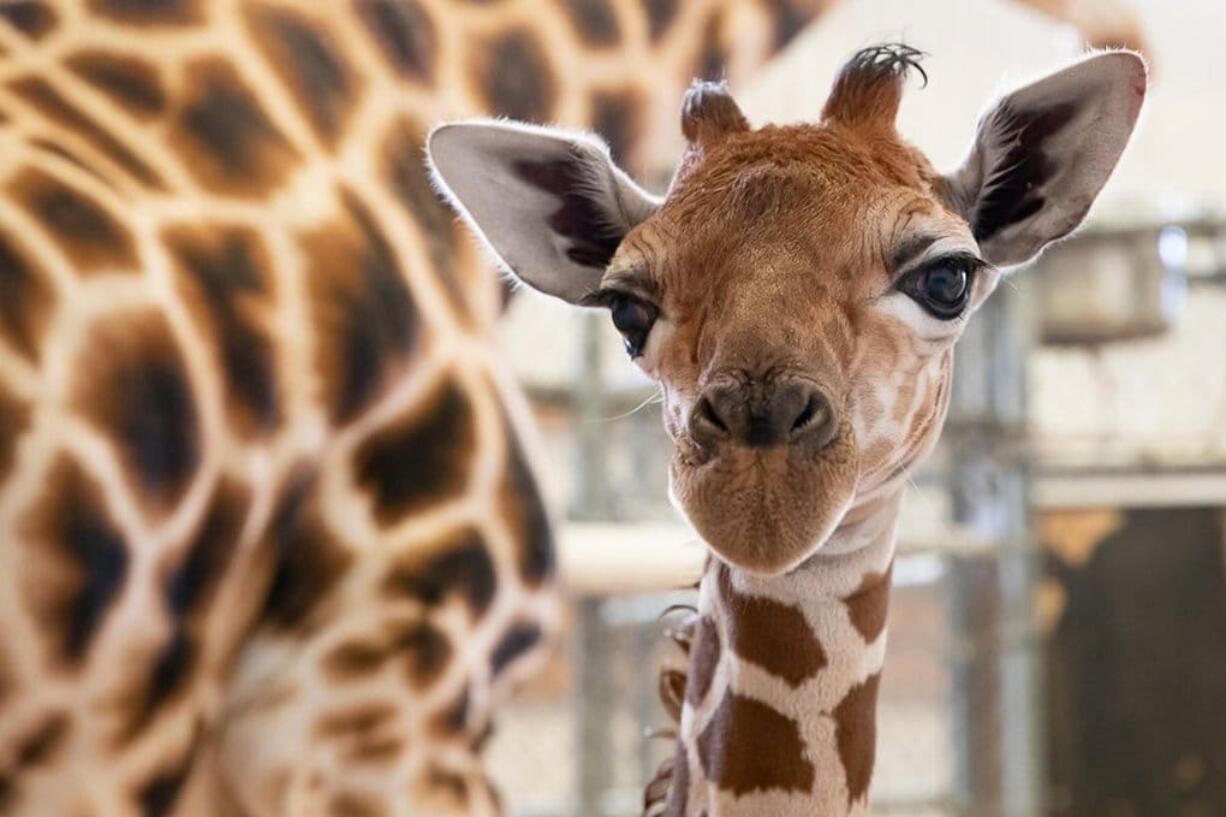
(709, 113)
(868, 88)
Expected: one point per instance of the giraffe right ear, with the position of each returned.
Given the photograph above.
(1043, 153)
(551, 204)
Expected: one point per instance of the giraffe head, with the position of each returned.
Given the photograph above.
(799, 290)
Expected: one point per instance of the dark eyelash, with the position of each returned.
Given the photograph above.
(965, 261)
(604, 297)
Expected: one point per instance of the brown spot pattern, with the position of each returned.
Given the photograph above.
(405, 34)
(712, 59)
(130, 82)
(309, 559)
(75, 562)
(618, 117)
(358, 720)
(73, 157)
(41, 745)
(354, 659)
(660, 15)
(419, 460)
(307, 60)
(426, 652)
(790, 20)
(224, 274)
(134, 386)
(773, 635)
(410, 183)
(37, 748)
(679, 785)
(421, 648)
(26, 300)
(521, 506)
(704, 658)
(33, 18)
(452, 786)
(355, 804)
(460, 566)
(14, 419)
(150, 12)
(6, 676)
(84, 230)
(188, 590)
(747, 746)
(366, 733)
(515, 77)
(365, 318)
(377, 751)
(224, 137)
(452, 720)
(157, 797)
(855, 721)
(868, 605)
(519, 639)
(41, 95)
(594, 20)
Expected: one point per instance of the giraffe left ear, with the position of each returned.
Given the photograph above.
(551, 204)
(1044, 152)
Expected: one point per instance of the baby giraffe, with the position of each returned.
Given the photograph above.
(798, 293)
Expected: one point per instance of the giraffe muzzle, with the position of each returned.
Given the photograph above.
(787, 412)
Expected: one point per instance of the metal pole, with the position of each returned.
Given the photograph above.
(989, 482)
(592, 649)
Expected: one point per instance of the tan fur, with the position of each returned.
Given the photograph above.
(793, 300)
(269, 536)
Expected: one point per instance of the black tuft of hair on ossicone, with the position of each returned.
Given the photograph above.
(895, 59)
(868, 88)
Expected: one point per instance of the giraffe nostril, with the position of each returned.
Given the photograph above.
(810, 414)
(705, 411)
(816, 423)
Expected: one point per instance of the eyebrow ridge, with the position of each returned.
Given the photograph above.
(633, 278)
(910, 249)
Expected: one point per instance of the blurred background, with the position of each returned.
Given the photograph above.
(1058, 624)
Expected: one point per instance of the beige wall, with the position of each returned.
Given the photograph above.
(978, 47)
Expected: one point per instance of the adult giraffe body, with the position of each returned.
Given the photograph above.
(269, 539)
(797, 293)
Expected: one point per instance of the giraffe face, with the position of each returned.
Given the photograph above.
(799, 290)
(797, 295)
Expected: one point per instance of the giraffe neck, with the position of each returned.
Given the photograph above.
(780, 700)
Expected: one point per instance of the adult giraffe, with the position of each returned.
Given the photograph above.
(269, 542)
(797, 294)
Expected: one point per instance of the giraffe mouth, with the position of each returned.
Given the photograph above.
(765, 511)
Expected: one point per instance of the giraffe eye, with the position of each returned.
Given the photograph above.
(943, 287)
(634, 319)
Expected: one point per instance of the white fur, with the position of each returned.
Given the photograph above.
(1108, 88)
(471, 164)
